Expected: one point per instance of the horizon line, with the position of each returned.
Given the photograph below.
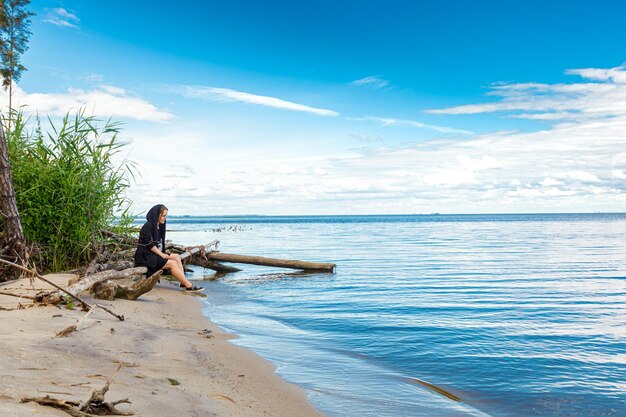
(391, 214)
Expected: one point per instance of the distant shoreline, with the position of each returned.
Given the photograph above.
(195, 216)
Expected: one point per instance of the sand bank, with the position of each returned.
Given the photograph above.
(164, 340)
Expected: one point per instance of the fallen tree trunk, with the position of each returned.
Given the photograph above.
(87, 282)
(110, 266)
(197, 256)
(199, 260)
(259, 260)
(189, 253)
(127, 288)
(131, 287)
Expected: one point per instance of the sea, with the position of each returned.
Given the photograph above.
(503, 315)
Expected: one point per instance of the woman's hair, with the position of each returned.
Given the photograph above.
(163, 208)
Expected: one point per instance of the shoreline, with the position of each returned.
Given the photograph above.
(174, 361)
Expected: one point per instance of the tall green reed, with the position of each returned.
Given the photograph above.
(70, 183)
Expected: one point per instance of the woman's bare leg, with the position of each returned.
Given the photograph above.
(175, 265)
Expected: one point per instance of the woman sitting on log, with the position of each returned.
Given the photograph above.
(151, 246)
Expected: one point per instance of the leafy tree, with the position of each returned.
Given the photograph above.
(14, 36)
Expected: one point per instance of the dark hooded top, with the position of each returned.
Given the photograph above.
(151, 235)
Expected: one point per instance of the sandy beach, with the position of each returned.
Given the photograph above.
(175, 362)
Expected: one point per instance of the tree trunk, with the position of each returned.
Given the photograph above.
(126, 288)
(10, 106)
(55, 297)
(14, 243)
(216, 266)
(281, 263)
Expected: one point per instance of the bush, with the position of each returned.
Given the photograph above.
(68, 185)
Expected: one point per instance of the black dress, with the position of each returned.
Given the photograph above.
(151, 235)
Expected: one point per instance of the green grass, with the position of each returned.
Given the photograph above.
(70, 182)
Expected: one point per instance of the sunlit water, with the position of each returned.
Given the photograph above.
(516, 315)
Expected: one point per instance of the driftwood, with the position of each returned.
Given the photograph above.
(212, 246)
(43, 279)
(216, 266)
(74, 327)
(127, 284)
(259, 260)
(68, 406)
(126, 240)
(119, 265)
(127, 288)
(83, 302)
(10, 294)
(189, 252)
(120, 260)
(89, 281)
(207, 257)
(197, 256)
(106, 260)
(97, 405)
(94, 406)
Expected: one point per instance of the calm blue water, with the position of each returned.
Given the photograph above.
(516, 315)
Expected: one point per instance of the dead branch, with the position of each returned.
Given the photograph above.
(97, 405)
(68, 406)
(74, 327)
(10, 294)
(43, 279)
(83, 302)
(68, 330)
(126, 240)
(94, 406)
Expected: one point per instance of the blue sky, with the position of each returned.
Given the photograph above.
(342, 107)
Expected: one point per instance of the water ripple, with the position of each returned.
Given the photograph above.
(517, 315)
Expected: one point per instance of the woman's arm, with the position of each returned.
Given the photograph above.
(159, 253)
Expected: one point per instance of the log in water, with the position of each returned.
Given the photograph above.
(260, 260)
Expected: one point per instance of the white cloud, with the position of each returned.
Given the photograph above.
(550, 182)
(616, 74)
(486, 162)
(583, 176)
(619, 174)
(601, 99)
(104, 100)
(93, 78)
(366, 138)
(225, 94)
(62, 18)
(374, 81)
(388, 121)
(577, 164)
(448, 176)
